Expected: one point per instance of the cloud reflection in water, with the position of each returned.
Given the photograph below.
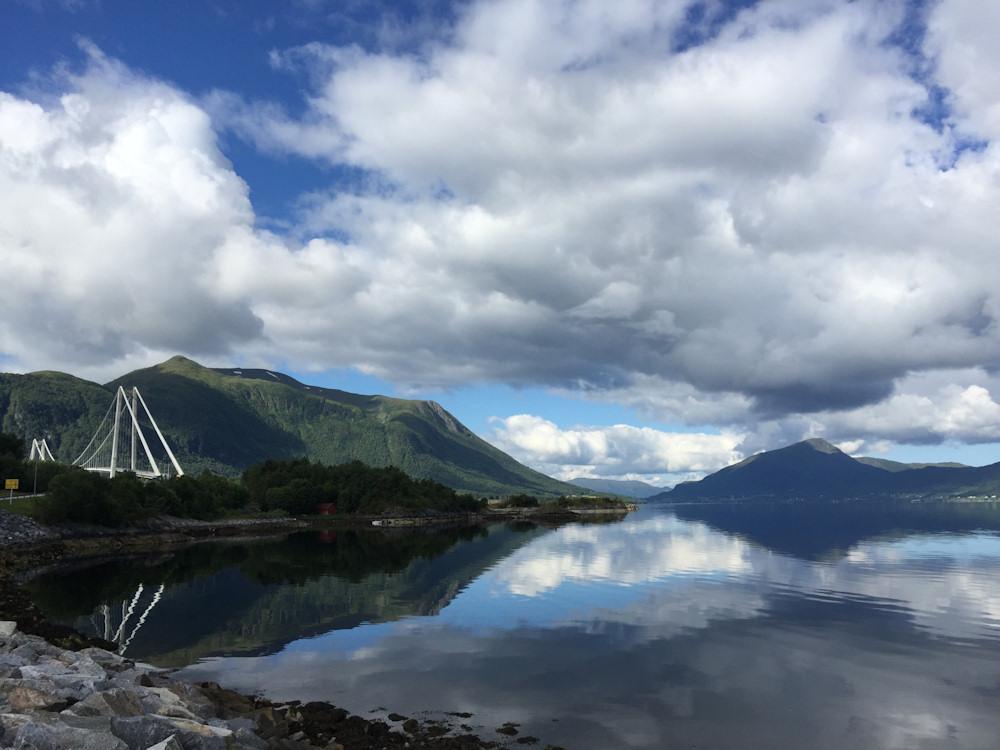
(659, 631)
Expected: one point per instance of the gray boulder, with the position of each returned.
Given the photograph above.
(113, 702)
(80, 664)
(141, 732)
(67, 685)
(39, 645)
(193, 699)
(201, 736)
(105, 658)
(170, 743)
(161, 700)
(9, 724)
(26, 652)
(48, 732)
(26, 698)
(26, 695)
(246, 739)
(135, 675)
(10, 665)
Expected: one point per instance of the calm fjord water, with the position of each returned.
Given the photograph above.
(785, 626)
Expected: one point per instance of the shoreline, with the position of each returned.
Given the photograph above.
(32, 549)
(94, 699)
(26, 547)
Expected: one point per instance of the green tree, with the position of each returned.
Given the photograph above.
(11, 446)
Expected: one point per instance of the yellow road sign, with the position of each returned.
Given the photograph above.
(10, 484)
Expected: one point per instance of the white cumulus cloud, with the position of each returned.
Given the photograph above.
(116, 201)
(763, 217)
(748, 222)
(617, 450)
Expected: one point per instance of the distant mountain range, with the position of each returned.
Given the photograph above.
(816, 468)
(885, 463)
(624, 488)
(227, 419)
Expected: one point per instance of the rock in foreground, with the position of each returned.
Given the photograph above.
(56, 699)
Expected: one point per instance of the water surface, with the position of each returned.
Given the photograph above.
(699, 626)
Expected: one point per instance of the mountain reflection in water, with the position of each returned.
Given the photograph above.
(253, 596)
(710, 626)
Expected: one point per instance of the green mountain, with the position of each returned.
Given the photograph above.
(885, 463)
(815, 468)
(227, 419)
(623, 487)
(64, 409)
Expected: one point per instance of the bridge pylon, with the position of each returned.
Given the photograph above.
(123, 437)
(40, 451)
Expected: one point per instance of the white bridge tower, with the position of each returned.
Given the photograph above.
(117, 449)
(40, 451)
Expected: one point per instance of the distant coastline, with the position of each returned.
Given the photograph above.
(815, 470)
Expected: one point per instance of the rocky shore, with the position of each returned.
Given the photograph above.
(53, 698)
(16, 529)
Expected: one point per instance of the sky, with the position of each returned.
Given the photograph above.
(637, 239)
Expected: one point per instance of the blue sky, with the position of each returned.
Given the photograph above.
(636, 240)
(199, 47)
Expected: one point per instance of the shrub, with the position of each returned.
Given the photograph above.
(12, 446)
(273, 487)
(522, 501)
(82, 497)
(298, 486)
(85, 497)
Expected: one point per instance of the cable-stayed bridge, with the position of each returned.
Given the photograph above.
(120, 442)
(130, 620)
(40, 451)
